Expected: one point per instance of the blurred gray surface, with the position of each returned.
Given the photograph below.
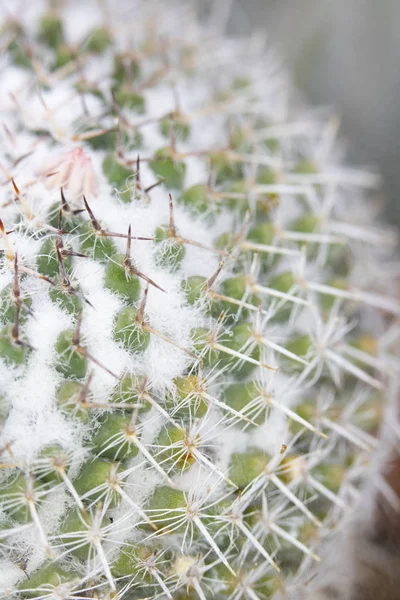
(342, 53)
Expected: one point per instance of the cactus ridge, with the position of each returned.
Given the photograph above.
(197, 311)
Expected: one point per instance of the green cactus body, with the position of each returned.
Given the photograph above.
(194, 353)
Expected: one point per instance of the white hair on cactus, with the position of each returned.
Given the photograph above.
(198, 314)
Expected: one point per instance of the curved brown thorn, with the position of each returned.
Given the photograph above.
(64, 204)
(138, 184)
(61, 268)
(16, 188)
(127, 259)
(66, 207)
(127, 262)
(65, 252)
(124, 236)
(15, 329)
(66, 282)
(171, 226)
(151, 187)
(7, 247)
(172, 136)
(150, 281)
(98, 228)
(76, 341)
(60, 219)
(84, 391)
(142, 307)
(16, 293)
(16, 289)
(95, 224)
(213, 277)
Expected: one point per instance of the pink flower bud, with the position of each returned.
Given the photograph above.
(73, 171)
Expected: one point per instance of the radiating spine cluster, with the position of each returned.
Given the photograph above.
(198, 317)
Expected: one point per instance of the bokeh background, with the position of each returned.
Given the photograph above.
(341, 53)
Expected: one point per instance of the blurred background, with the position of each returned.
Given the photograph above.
(341, 53)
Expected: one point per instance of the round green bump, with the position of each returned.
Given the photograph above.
(265, 176)
(66, 300)
(171, 444)
(239, 139)
(102, 141)
(130, 100)
(187, 397)
(272, 144)
(177, 125)
(307, 410)
(119, 176)
(193, 287)
(370, 414)
(68, 397)
(49, 575)
(132, 140)
(246, 466)
(164, 506)
(170, 253)
(130, 560)
(238, 341)
(100, 39)
(70, 362)
(241, 82)
(70, 221)
(167, 167)
(330, 474)
(85, 87)
(300, 345)
(47, 262)
(126, 68)
(119, 281)
(51, 30)
(75, 523)
(264, 233)
(327, 301)
(95, 473)
(11, 352)
(283, 282)
(240, 204)
(52, 457)
(130, 333)
(266, 200)
(113, 438)
(196, 198)
(200, 337)
(186, 386)
(18, 54)
(306, 224)
(226, 241)
(131, 389)
(8, 307)
(239, 395)
(15, 489)
(225, 169)
(235, 288)
(63, 55)
(306, 166)
(95, 246)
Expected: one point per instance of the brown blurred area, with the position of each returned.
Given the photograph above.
(341, 53)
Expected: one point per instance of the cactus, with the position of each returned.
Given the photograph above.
(198, 313)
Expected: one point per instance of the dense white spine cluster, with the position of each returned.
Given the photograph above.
(198, 311)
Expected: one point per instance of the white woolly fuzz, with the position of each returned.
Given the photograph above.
(198, 310)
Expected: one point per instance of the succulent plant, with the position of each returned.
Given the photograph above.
(198, 311)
